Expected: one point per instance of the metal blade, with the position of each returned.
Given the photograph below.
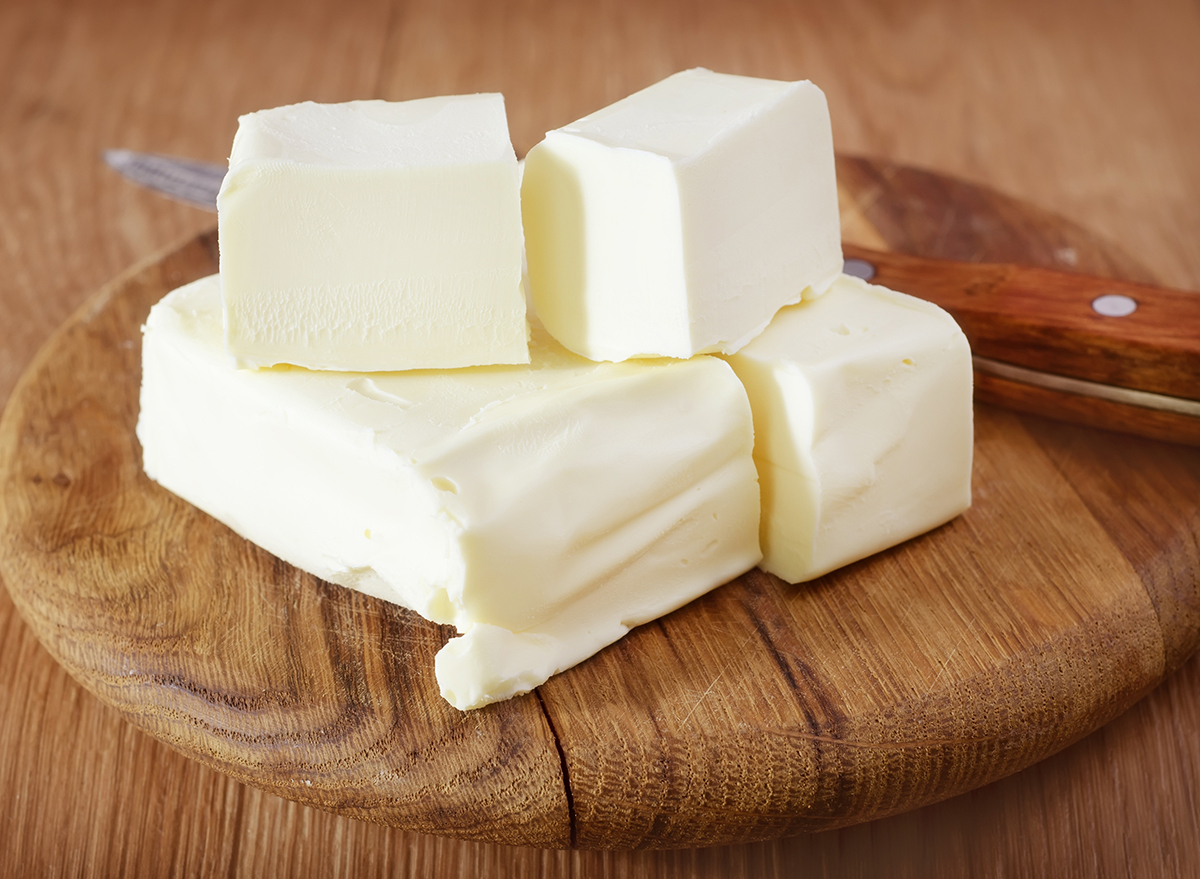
(194, 183)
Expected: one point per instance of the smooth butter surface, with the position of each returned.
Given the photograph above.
(863, 425)
(543, 510)
(680, 219)
(374, 236)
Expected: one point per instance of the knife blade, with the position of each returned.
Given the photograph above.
(1094, 351)
(194, 183)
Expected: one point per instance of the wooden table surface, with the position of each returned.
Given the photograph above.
(1087, 109)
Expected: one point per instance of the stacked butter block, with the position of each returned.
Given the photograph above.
(680, 219)
(360, 393)
(373, 236)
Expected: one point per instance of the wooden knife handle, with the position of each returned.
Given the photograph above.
(1045, 320)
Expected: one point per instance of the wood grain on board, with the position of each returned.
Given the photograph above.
(757, 711)
(1088, 109)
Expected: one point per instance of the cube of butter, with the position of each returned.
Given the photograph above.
(680, 219)
(863, 425)
(374, 236)
(544, 510)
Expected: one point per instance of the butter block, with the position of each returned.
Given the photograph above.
(543, 510)
(374, 236)
(863, 425)
(680, 219)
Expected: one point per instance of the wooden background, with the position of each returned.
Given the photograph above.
(1089, 109)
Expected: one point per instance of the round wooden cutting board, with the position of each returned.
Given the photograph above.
(1069, 589)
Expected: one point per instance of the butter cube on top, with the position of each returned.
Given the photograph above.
(374, 236)
(680, 219)
(543, 510)
(862, 425)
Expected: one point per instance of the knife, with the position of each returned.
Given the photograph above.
(1093, 351)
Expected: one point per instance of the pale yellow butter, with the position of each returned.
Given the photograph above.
(680, 219)
(374, 236)
(863, 425)
(543, 510)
